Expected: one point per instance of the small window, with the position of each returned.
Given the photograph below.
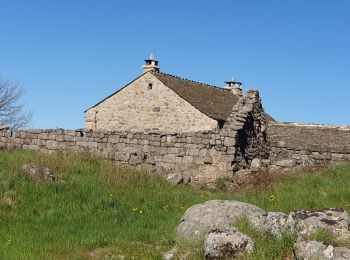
(150, 86)
(221, 124)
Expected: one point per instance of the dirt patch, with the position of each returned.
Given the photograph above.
(247, 180)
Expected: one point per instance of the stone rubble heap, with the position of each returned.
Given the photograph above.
(214, 223)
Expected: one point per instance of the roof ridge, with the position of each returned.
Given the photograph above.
(193, 81)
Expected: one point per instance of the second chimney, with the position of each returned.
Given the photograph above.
(234, 86)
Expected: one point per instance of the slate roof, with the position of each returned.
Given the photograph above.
(212, 101)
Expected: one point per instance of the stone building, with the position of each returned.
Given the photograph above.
(157, 101)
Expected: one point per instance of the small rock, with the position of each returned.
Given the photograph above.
(213, 214)
(222, 243)
(170, 255)
(287, 163)
(316, 250)
(174, 253)
(256, 164)
(178, 178)
(265, 162)
(174, 178)
(38, 173)
(241, 176)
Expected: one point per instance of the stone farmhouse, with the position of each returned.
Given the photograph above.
(163, 102)
(167, 124)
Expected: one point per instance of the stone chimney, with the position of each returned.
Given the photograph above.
(234, 86)
(151, 64)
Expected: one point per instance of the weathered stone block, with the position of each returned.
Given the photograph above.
(169, 158)
(121, 157)
(208, 160)
(229, 141)
(193, 152)
(187, 159)
(135, 159)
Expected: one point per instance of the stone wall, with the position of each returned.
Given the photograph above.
(308, 144)
(203, 156)
(138, 108)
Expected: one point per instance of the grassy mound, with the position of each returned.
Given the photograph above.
(102, 210)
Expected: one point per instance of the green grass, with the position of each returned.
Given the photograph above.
(325, 236)
(267, 246)
(104, 210)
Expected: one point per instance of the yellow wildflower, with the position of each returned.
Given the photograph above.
(273, 198)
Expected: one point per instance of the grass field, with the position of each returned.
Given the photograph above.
(102, 210)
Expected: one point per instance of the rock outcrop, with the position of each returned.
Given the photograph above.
(213, 222)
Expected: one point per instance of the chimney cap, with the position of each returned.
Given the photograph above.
(233, 81)
(151, 58)
(151, 64)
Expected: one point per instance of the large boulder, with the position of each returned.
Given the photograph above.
(213, 214)
(335, 220)
(223, 243)
(307, 250)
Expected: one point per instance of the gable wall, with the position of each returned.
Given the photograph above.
(135, 108)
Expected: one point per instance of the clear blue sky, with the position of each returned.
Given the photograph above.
(68, 55)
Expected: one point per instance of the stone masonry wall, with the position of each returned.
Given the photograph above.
(137, 108)
(203, 156)
(308, 144)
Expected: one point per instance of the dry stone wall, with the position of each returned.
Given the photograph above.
(203, 156)
(308, 144)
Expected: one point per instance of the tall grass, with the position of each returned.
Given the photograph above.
(97, 209)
